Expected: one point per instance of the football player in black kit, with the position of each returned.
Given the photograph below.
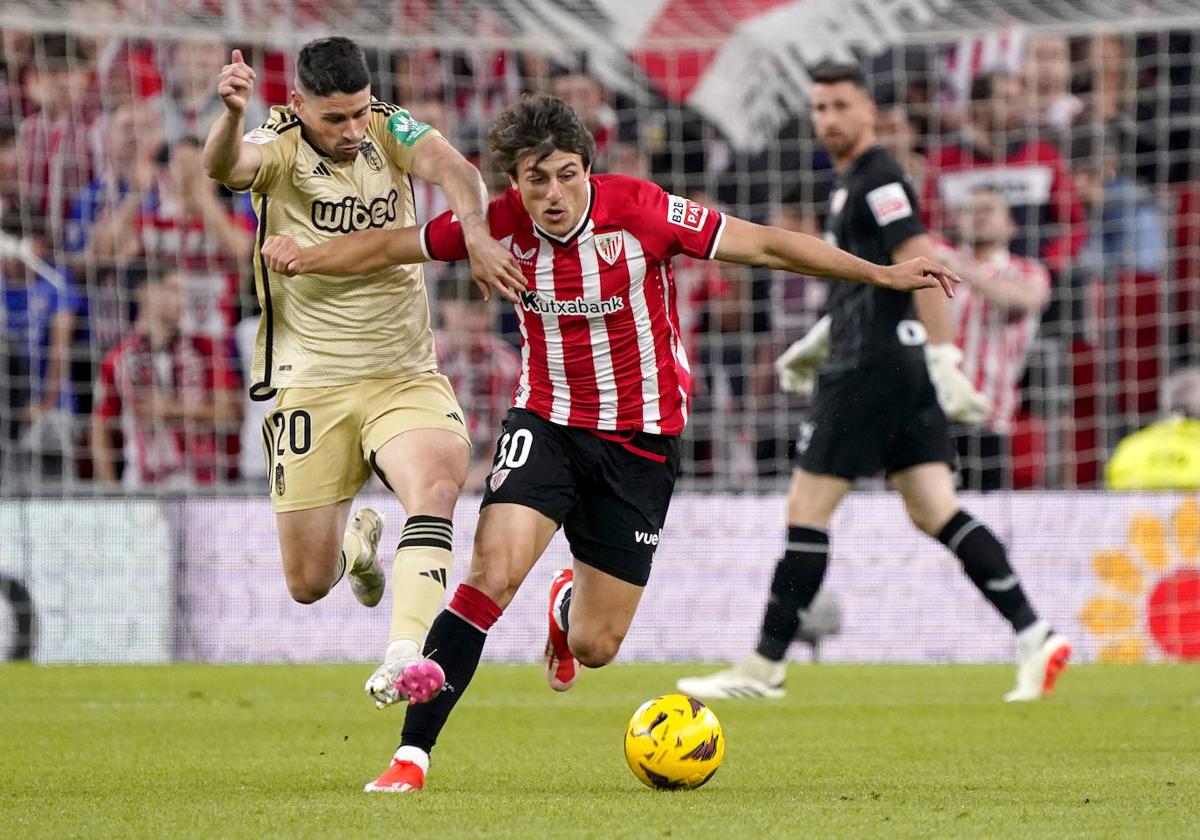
(888, 379)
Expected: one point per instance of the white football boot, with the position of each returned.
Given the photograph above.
(1042, 655)
(367, 579)
(755, 676)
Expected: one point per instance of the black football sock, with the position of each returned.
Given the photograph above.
(798, 576)
(455, 642)
(986, 564)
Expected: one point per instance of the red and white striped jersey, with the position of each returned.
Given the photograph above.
(179, 456)
(601, 346)
(994, 342)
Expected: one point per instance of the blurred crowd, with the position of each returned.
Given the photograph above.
(1059, 175)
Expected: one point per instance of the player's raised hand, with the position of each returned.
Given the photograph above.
(282, 255)
(919, 273)
(494, 267)
(235, 84)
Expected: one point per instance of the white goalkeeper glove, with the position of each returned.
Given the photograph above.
(798, 365)
(955, 393)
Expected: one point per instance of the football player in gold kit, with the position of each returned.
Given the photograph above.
(350, 361)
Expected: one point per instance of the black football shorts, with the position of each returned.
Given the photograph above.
(608, 490)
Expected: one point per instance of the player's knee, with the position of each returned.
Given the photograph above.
(494, 581)
(926, 520)
(306, 591)
(594, 650)
(438, 497)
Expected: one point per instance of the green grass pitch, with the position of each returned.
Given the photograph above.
(875, 751)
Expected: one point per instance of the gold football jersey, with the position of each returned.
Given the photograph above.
(318, 330)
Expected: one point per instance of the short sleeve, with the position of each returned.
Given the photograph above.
(892, 203)
(400, 133)
(442, 239)
(275, 154)
(681, 225)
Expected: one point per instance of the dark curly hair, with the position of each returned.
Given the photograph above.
(540, 126)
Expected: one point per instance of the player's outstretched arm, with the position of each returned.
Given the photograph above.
(771, 247)
(227, 158)
(493, 267)
(354, 253)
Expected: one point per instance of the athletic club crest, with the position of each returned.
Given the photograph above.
(497, 478)
(609, 245)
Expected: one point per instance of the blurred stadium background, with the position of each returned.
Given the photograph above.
(129, 536)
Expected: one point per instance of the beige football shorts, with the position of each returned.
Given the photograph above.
(320, 443)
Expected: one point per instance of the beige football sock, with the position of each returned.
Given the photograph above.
(419, 577)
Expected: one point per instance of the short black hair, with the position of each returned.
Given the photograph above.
(836, 72)
(332, 65)
(538, 125)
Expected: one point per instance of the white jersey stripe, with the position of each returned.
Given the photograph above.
(635, 259)
(560, 407)
(606, 379)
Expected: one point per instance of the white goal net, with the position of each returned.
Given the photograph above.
(1082, 116)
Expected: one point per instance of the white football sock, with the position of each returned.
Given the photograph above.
(416, 755)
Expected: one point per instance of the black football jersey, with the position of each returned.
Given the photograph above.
(872, 211)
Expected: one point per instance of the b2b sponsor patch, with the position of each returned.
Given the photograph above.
(889, 203)
(259, 136)
(686, 214)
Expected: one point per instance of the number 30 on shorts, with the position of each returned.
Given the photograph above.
(513, 449)
(293, 428)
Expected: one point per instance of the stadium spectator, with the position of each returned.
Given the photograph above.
(994, 149)
(56, 153)
(16, 54)
(1123, 263)
(628, 159)
(125, 174)
(482, 367)
(10, 185)
(190, 104)
(587, 98)
(164, 401)
(1164, 455)
(896, 132)
(185, 225)
(996, 314)
(1047, 77)
(1125, 230)
(41, 310)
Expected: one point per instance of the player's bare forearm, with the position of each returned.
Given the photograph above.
(493, 267)
(227, 158)
(771, 247)
(437, 162)
(750, 244)
(342, 256)
(932, 309)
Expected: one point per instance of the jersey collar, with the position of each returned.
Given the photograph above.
(582, 229)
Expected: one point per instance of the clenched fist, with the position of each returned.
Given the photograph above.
(235, 84)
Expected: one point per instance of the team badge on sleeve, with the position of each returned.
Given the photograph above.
(609, 246)
(686, 214)
(259, 136)
(889, 203)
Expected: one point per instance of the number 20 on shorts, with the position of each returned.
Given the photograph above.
(293, 428)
